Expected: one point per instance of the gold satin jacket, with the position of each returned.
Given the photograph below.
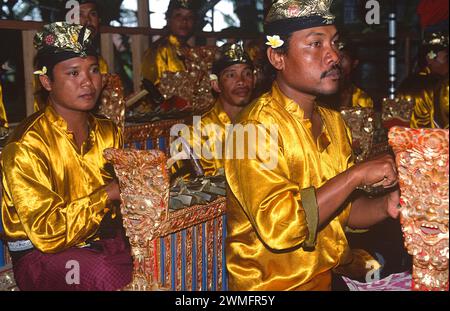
(428, 95)
(213, 124)
(3, 118)
(443, 104)
(266, 222)
(430, 106)
(53, 193)
(208, 137)
(361, 99)
(163, 56)
(39, 103)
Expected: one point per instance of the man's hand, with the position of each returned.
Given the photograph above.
(393, 202)
(377, 172)
(113, 191)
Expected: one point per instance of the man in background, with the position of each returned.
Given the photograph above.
(349, 95)
(166, 53)
(233, 82)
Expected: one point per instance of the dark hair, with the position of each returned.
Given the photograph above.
(172, 7)
(39, 62)
(350, 49)
(41, 94)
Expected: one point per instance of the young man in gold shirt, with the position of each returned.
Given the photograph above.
(286, 222)
(165, 54)
(58, 215)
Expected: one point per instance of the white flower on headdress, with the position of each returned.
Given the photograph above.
(431, 55)
(41, 72)
(274, 41)
(213, 77)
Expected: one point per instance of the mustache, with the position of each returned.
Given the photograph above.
(334, 69)
(242, 88)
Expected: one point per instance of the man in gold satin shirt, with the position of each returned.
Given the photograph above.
(233, 82)
(165, 54)
(424, 87)
(286, 222)
(57, 203)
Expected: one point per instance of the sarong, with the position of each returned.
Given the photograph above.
(104, 266)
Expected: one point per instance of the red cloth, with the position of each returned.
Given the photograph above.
(107, 269)
(432, 12)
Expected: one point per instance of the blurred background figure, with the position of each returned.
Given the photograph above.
(233, 82)
(165, 54)
(89, 17)
(425, 86)
(3, 118)
(349, 95)
(264, 73)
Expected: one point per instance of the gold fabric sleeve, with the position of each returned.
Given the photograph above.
(361, 99)
(51, 223)
(53, 193)
(3, 118)
(162, 56)
(208, 134)
(213, 128)
(423, 111)
(443, 104)
(103, 66)
(427, 92)
(309, 201)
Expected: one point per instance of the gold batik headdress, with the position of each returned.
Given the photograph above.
(61, 41)
(287, 16)
(435, 42)
(230, 54)
(183, 4)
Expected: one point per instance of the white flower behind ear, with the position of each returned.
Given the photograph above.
(274, 41)
(41, 72)
(213, 77)
(431, 55)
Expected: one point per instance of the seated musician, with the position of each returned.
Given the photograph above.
(61, 225)
(165, 54)
(286, 219)
(233, 82)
